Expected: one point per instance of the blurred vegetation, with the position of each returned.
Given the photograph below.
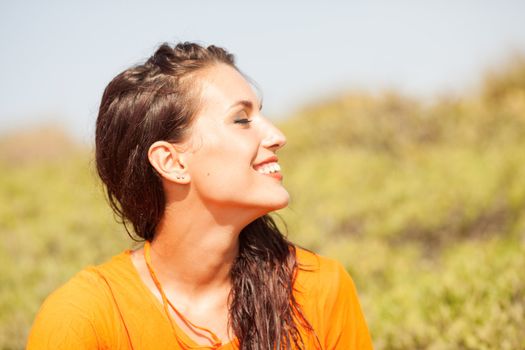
(424, 204)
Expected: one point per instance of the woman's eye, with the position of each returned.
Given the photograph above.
(242, 118)
(243, 121)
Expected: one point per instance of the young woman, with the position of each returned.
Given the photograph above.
(189, 163)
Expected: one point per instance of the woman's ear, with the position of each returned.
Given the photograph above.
(168, 162)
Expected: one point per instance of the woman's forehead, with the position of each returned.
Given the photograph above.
(223, 87)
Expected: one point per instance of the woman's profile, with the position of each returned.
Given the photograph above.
(189, 165)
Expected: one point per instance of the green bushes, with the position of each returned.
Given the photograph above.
(470, 297)
(425, 205)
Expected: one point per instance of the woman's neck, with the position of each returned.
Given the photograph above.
(194, 255)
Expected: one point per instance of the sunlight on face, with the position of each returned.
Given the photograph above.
(229, 136)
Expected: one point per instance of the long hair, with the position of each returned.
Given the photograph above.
(158, 100)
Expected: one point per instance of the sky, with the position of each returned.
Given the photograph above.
(58, 56)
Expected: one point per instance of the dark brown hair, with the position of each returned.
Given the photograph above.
(158, 100)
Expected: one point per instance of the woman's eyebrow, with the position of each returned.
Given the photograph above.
(246, 103)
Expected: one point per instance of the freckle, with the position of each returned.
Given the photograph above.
(208, 174)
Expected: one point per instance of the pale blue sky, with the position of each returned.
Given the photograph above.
(57, 56)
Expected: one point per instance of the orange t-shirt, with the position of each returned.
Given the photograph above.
(110, 307)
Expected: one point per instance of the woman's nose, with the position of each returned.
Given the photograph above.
(273, 138)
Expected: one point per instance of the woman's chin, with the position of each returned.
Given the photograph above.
(285, 203)
(281, 203)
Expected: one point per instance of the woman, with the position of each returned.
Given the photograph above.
(190, 163)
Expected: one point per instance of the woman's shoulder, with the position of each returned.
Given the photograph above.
(76, 308)
(89, 284)
(321, 279)
(317, 268)
(329, 298)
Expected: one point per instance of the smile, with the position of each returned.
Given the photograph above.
(268, 168)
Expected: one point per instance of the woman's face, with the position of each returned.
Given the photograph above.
(229, 138)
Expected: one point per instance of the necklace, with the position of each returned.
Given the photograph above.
(216, 342)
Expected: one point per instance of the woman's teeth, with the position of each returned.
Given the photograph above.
(269, 168)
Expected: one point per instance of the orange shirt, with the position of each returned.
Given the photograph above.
(110, 307)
